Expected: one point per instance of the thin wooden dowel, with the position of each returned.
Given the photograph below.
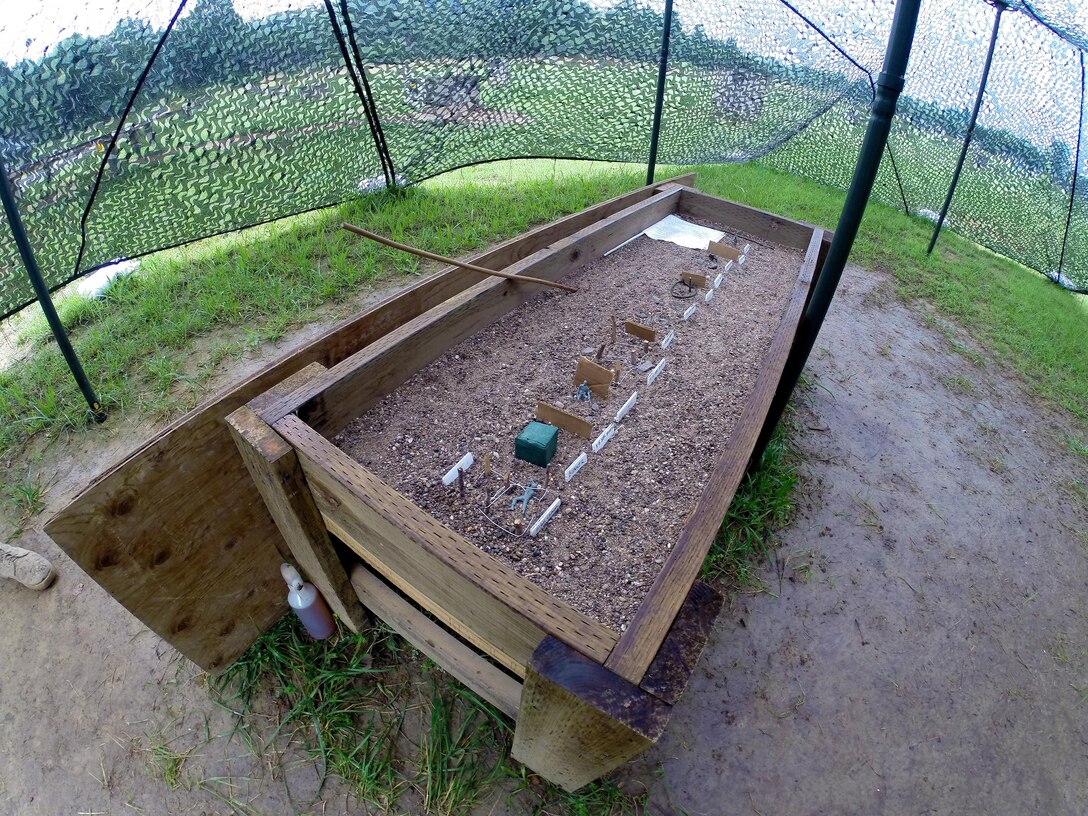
(389, 242)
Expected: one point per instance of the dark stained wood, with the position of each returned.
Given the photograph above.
(578, 720)
(651, 622)
(478, 597)
(671, 668)
(761, 224)
(156, 528)
(475, 671)
(352, 387)
(278, 476)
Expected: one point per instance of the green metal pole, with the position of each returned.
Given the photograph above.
(659, 100)
(41, 291)
(970, 126)
(888, 87)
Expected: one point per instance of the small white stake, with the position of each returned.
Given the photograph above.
(668, 339)
(464, 464)
(689, 312)
(575, 466)
(747, 249)
(728, 265)
(653, 375)
(602, 440)
(627, 406)
(741, 260)
(545, 517)
(718, 280)
(709, 296)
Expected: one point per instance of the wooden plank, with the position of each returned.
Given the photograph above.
(349, 389)
(275, 470)
(598, 377)
(730, 253)
(546, 412)
(694, 279)
(491, 683)
(640, 642)
(668, 674)
(757, 223)
(641, 331)
(147, 528)
(478, 597)
(578, 720)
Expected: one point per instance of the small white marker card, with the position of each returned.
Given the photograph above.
(709, 296)
(689, 312)
(718, 280)
(747, 249)
(728, 265)
(602, 440)
(627, 406)
(545, 517)
(668, 339)
(464, 464)
(653, 375)
(575, 466)
(741, 260)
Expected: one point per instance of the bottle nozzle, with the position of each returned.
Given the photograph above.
(291, 576)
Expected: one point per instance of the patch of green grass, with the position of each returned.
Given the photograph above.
(464, 747)
(1076, 445)
(166, 762)
(764, 503)
(333, 694)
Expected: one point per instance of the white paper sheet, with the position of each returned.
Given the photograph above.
(683, 233)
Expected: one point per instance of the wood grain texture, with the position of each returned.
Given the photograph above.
(730, 253)
(758, 223)
(674, 662)
(275, 470)
(596, 376)
(147, 528)
(546, 412)
(641, 331)
(352, 387)
(475, 671)
(651, 622)
(478, 597)
(578, 720)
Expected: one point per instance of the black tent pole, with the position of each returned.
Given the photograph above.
(970, 125)
(1076, 166)
(659, 99)
(41, 291)
(888, 87)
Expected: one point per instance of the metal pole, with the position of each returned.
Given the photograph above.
(1076, 167)
(660, 98)
(41, 291)
(970, 126)
(888, 87)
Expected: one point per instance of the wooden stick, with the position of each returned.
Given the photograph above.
(422, 253)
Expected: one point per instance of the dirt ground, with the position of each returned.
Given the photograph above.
(921, 646)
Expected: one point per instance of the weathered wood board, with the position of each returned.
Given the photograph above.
(178, 533)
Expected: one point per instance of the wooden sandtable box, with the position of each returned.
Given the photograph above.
(586, 696)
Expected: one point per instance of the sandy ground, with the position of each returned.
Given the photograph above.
(922, 646)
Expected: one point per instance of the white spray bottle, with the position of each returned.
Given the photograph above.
(308, 604)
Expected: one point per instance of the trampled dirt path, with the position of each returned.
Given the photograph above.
(922, 649)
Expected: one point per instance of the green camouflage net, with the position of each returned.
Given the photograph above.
(137, 126)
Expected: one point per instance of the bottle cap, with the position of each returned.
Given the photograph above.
(291, 576)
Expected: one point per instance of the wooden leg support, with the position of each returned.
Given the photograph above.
(578, 720)
(276, 472)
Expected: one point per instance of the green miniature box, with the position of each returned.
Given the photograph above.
(537, 443)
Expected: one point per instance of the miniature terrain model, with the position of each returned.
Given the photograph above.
(522, 482)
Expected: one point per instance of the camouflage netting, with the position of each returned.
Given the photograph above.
(133, 126)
